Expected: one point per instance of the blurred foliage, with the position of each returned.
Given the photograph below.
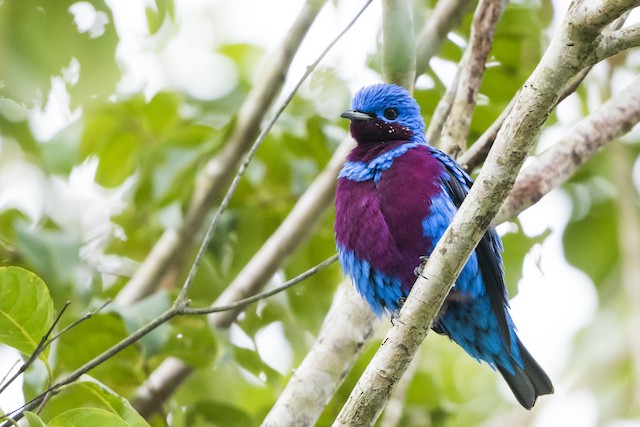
(92, 174)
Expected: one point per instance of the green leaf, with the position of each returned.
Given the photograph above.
(91, 397)
(34, 420)
(83, 417)
(26, 310)
(590, 243)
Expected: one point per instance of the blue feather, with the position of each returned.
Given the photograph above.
(381, 292)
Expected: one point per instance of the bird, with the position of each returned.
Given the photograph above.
(395, 197)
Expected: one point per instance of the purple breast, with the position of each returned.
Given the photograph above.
(382, 222)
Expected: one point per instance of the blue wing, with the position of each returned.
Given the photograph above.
(457, 183)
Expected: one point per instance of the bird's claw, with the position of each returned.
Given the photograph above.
(423, 261)
(396, 313)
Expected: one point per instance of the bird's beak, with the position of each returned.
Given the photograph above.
(356, 115)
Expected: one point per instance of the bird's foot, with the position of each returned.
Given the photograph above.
(418, 269)
(395, 316)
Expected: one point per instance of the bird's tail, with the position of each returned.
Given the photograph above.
(529, 382)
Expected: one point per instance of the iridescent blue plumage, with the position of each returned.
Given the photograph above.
(396, 196)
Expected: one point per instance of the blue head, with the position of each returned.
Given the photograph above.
(385, 112)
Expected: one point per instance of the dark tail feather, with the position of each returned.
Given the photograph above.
(528, 383)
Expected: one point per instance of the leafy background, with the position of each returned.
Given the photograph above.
(107, 114)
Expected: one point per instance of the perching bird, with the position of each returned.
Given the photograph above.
(396, 196)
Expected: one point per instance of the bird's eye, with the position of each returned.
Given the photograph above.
(390, 113)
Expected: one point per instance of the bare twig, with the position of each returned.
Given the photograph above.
(558, 162)
(618, 41)
(485, 20)
(440, 114)
(478, 151)
(76, 322)
(254, 148)
(249, 300)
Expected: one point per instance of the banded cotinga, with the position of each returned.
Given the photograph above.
(396, 196)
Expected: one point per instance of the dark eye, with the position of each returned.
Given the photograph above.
(390, 113)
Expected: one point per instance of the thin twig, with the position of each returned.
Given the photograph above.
(476, 154)
(246, 301)
(4, 378)
(478, 151)
(440, 114)
(82, 319)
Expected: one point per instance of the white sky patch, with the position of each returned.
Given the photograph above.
(274, 348)
(56, 114)
(22, 184)
(88, 19)
(22, 187)
(197, 70)
(83, 208)
(240, 338)
(575, 409)
(548, 287)
(12, 398)
(445, 70)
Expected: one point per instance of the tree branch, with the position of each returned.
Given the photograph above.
(478, 151)
(557, 163)
(440, 114)
(328, 362)
(564, 58)
(618, 41)
(398, 44)
(629, 246)
(475, 155)
(485, 20)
